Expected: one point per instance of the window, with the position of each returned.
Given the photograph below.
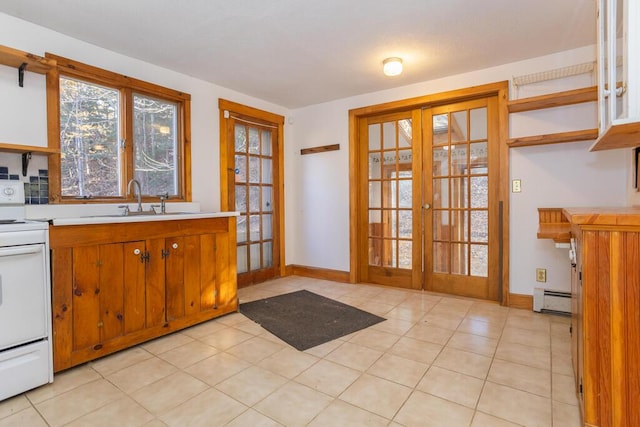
(113, 129)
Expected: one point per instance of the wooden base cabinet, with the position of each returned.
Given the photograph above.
(606, 314)
(117, 285)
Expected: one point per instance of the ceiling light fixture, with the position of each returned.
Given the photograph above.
(392, 66)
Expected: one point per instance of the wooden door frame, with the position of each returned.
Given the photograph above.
(499, 89)
(227, 171)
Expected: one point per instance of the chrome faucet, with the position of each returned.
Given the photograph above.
(135, 181)
(163, 202)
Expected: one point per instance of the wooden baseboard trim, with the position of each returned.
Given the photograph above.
(318, 273)
(521, 301)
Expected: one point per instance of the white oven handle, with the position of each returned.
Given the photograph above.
(34, 249)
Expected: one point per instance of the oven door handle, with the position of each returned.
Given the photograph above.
(20, 250)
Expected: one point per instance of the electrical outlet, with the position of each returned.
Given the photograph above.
(541, 275)
(516, 186)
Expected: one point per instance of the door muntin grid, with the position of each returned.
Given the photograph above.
(390, 183)
(460, 179)
(254, 191)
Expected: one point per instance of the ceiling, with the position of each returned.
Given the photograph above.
(295, 53)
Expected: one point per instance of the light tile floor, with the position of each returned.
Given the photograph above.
(435, 361)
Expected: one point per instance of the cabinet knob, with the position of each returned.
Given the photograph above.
(174, 246)
(136, 251)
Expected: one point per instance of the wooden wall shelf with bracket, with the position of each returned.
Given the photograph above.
(25, 61)
(26, 151)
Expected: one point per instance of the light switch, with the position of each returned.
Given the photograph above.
(516, 186)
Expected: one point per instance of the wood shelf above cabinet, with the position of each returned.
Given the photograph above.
(558, 99)
(553, 138)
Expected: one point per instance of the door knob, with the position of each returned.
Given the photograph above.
(427, 206)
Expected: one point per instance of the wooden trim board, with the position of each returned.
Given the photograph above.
(317, 273)
(521, 301)
(320, 149)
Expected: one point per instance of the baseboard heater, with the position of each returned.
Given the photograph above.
(550, 301)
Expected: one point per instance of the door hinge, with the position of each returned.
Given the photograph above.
(580, 385)
(580, 277)
(571, 330)
(145, 256)
(165, 253)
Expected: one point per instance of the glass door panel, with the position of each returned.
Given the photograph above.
(253, 197)
(390, 231)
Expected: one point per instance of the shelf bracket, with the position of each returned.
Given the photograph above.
(21, 69)
(25, 162)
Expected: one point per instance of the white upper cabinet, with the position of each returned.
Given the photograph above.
(618, 74)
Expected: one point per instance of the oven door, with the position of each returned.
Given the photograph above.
(23, 294)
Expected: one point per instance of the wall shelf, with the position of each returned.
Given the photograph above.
(21, 149)
(25, 61)
(552, 100)
(553, 225)
(26, 151)
(558, 99)
(553, 138)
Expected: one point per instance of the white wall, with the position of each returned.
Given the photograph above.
(23, 110)
(554, 175)
(317, 186)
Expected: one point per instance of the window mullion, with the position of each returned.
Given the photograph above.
(128, 160)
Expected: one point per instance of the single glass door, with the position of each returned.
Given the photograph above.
(391, 211)
(460, 198)
(254, 193)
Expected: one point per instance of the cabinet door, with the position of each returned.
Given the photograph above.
(209, 279)
(98, 294)
(576, 315)
(192, 276)
(135, 303)
(86, 297)
(111, 291)
(154, 283)
(173, 253)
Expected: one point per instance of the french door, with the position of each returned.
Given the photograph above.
(253, 184)
(460, 169)
(391, 239)
(429, 198)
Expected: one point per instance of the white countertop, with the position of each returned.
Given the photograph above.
(114, 219)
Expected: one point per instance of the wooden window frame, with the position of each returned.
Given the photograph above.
(126, 86)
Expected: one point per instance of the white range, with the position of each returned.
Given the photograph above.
(26, 358)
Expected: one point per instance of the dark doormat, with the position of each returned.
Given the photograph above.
(304, 319)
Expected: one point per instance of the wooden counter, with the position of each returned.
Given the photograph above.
(603, 216)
